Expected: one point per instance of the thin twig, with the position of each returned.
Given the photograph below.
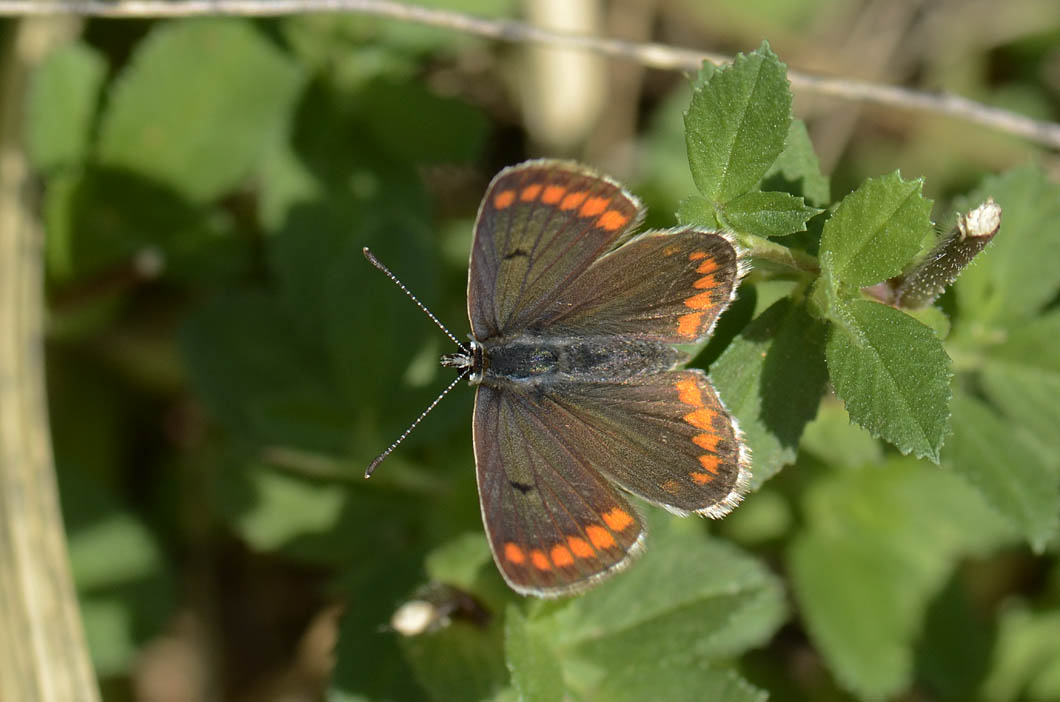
(653, 55)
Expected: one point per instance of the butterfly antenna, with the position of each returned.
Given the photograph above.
(379, 459)
(386, 271)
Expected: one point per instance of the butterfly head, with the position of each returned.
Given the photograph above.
(471, 361)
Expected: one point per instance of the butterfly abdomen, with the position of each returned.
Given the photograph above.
(540, 359)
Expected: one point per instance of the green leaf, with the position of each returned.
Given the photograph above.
(797, 170)
(772, 377)
(662, 630)
(661, 680)
(98, 218)
(766, 519)
(1028, 398)
(460, 662)
(1022, 376)
(768, 214)
(393, 114)
(323, 277)
(274, 509)
(875, 231)
(335, 695)
(995, 457)
(698, 210)
(124, 583)
(284, 507)
(369, 662)
(1026, 656)
(459, 561)
(833, 438)
(132, 552)
(824, 300)
(285, 182)
(535, 667)
(63, 94)
(259, 377)
(955, 643)
(689, 598)
(878, 545)
(109, 628)
(736, 124)
(703, 75)
(1016, 275)
(933, 318)
(198, 105)
(893, 375)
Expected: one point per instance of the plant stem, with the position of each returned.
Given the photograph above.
(973, 231)
(43, 652)
(766, 250)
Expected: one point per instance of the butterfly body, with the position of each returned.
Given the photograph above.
(580, 394)
(543, 360)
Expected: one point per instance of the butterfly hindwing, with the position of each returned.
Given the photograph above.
(554, 523)
(665, 437)
(541, 225)
(666, 286)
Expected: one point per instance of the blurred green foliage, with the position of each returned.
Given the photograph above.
(223, 363)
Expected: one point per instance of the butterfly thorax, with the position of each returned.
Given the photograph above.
(534, 359)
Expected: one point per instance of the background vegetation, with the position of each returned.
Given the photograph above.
(222, 362)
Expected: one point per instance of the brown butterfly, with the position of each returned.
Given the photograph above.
(579, 387)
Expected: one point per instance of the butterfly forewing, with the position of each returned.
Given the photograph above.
(667, 286)
(554, 523)
(541, 224)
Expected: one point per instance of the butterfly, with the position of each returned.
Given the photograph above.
(580, 394)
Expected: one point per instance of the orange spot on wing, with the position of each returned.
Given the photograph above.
(706, 441)
(573, 200)
(688, 392)
(701, 478)
(612, 220)
(701, 301)
(617, 519)
(540, 560)
(514, 554)
(709, 463)
(701, 419)
(708, 266)
(600, 537)
(530, 192)
(688, 324)
(594, 206)
(561, 556)
(705, 282)
(671, 486)
(696, 255)
(581, 547)
(504, 199)
(553, 193)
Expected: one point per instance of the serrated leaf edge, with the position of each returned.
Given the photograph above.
(935, 455)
